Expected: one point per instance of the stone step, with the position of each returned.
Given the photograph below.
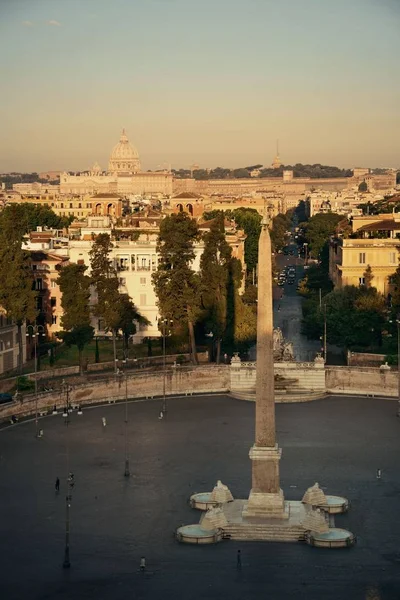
(264, 532)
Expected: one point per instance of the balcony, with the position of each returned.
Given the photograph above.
(143, 268)
(122, 268)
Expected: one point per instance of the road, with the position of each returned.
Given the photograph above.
(339, 442)
(287, 311)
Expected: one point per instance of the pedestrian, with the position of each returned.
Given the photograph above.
(57, 486)
(104, 420)
(279, 307)
(239, 560)
(378, 474)
(161, 415)
(142, 564)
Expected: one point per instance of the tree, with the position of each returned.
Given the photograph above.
(214, 273)
(280, 225)
(27, 217)
(75, 289)
(128, 315)
(355, 317)
(368, 277)
(363, 187)
(175, 282)
(17, 294)
(105, 280)
(318, 230)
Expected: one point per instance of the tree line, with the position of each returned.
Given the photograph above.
(315, 171)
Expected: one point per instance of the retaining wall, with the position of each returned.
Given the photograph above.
(178, 381)
(361, 380)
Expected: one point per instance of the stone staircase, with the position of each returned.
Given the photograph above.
(264, 532)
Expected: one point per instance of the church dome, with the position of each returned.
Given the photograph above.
(124, 158)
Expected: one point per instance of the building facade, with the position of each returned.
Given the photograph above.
(9, 347)
(349, 259)
(136, 260)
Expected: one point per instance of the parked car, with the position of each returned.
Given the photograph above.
(4, 398)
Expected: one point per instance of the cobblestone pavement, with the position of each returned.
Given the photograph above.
(339, 442)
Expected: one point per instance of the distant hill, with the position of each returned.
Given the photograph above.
(316, 171)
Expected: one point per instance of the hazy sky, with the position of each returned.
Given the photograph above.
(213, 82)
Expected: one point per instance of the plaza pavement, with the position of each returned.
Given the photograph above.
(339, 442)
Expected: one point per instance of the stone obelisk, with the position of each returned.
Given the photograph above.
(266, 498)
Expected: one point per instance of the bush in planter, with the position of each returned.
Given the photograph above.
(24, 384)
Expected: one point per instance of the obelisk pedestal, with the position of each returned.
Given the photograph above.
(266, 497)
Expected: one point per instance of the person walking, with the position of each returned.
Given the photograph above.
(378, 474)
(239, 560)
(104, 421)
(57, 486)
(142, 564)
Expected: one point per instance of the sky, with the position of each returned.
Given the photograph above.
(210, 82)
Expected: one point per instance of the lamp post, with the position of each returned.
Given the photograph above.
(69, 479)
(325, 341)
(121, 374)
(164, 323)
(36, 331)
(398, 364)
(305, 253)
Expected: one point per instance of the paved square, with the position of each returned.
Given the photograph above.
(339, 442)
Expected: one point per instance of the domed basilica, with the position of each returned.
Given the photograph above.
(124, 158)
(124, 176)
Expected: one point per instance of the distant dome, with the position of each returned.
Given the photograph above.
(96, 168)
(124, 157)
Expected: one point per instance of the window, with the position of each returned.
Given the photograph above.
(143, 280)
(39, 283)
(361, 281)
(142, 299)
(70, 205)
(53, 301)
(361, 258)
(53, 320)
(53, 283)
(392, 258)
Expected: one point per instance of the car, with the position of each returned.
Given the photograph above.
(4, 398)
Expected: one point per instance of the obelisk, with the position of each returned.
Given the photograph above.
(266, 498)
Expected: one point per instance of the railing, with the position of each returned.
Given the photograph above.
(143, 268)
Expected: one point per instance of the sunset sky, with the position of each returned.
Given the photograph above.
(212, 82)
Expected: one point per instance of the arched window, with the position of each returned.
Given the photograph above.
(179, 207)
(190, 208)
(97, 210)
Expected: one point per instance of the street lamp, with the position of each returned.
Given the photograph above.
(164, 323)
(398, 362)
(120, 375)
(36, 331)
(70, 477)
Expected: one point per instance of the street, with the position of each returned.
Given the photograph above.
(287, 310)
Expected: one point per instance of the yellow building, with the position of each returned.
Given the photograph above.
(80, 207)
(349, 259)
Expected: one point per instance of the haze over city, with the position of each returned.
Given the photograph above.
(214, 83)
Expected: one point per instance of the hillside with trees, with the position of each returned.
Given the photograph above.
(316, 171)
